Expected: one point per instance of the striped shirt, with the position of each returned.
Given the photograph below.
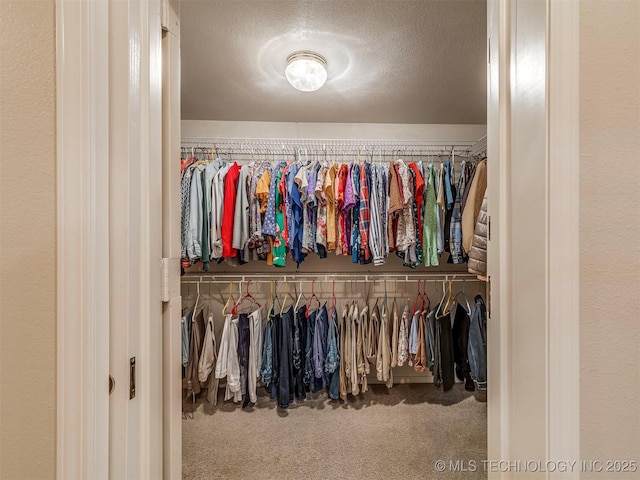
(365, 214)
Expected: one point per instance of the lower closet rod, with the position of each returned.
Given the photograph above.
(327, 277)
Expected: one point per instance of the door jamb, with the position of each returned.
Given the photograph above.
(82, 123)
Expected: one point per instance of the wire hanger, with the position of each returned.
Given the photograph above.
(450, 298)
(439, 309)
(465, 298)
(299, 296)
(333, 295)
(415, 302)
(230, 299)
(313, 296)
(271, 297)
(286, 296)
(195, 306)
(246, 296)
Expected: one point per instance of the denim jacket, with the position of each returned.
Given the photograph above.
(266, 369)
(332, 360)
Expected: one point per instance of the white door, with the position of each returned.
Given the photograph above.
(135, 247)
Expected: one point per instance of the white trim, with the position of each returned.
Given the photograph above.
(499, 260)
(171, 244)
(82, 239)
(563, 376)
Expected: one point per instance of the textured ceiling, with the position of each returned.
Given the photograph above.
(389, 61)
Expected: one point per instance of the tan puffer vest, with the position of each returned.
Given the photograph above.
(478, 253)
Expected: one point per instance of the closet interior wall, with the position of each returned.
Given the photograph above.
(403, 291)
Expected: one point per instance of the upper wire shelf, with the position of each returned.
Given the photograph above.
(251, 147)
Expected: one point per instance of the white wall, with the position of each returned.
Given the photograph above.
(610, 231)
(27, 240)
(364, 131)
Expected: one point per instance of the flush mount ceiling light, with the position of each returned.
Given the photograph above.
(306, 71)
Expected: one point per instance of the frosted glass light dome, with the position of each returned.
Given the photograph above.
(306, 71)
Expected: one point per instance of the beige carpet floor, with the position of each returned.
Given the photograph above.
(396, 433)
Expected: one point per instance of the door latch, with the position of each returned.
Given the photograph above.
(132, 377)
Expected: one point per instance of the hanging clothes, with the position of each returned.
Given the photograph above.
(362, 343)
(320, 346)
(208, 360)
(228, 213)
(383, 360)
(395, 333)
(461, 323)
(285, 376)
(185, 206)
(403, 337)
(457, 254)
(255, 352)
(217, 207)
(299, 352)
(446, 350)
(478, 253)
(240, 236)
(352, 352)
(332, 360)
(195, 348)
(477, 348)
(266, 212)
(194, 248)
(309, 369)
(244, 343)
(430, 229)
(279, 249)
(228, 365)
(473, 204)
(373, 332)
(345, 358)
(420, 359)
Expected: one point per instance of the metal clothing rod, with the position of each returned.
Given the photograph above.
(326, 277)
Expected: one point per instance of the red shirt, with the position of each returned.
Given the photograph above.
(228, 211)
(419, 195)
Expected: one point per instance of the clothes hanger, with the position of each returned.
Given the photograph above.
(247, 295)
(272, 297)
(424, 294)
(422, 300)
(333, 295)
(230, 299)
(385, 291)
(439, 308)
(299, 296)
(195, 306)
(450, 298)
(415, 302)
(464, 296)
(313, 296)
(287, 295)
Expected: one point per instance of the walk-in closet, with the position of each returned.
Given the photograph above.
(333, 232)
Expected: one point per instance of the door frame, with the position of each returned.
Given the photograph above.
(109, 134)
(82, 203)
(83, 277)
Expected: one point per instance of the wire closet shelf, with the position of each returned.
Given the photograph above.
(255, 148)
